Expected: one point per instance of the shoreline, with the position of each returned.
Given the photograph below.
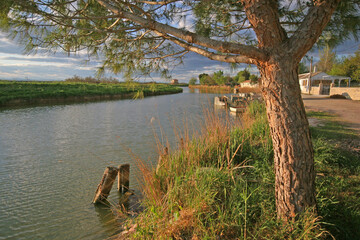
(15, 94)
(78, 99)
(224, 89)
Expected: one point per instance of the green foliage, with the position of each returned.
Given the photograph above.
(219, 77)
(254, 79)
(327, 59)
(344, 24)
(192, 81)
(245, 75)
(349, 67)
(206, 79)
(230, 81)
(242, 76)
(303, 68)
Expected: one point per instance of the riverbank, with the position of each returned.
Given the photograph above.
(212, 89)
(14, 93)
(223, 89)
(222, 186)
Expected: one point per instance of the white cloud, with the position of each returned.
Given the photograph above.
(21, 74)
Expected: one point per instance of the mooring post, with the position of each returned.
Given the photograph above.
(103, 189)
(124, 178)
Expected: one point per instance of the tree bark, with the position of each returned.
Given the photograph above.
(293, 151)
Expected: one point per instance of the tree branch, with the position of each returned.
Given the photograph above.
(311, 28)
(264, 17)
(158, 3)
(190, 37)
(213, 56)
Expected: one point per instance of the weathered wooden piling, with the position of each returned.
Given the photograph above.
(123, 178)
(103, 189)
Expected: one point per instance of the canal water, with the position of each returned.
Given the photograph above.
(53, 157)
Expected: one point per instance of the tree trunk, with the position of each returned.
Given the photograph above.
(293, 151)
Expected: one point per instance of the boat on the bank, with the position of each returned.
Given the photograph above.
(237, 109)
(236, 103)
(221, 101)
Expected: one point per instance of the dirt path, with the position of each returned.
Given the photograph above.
(348, 111)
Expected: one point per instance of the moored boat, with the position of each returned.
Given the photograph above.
(237, 109)
(221, 101)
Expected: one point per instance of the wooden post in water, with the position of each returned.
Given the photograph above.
(124, 178)
(103, 189)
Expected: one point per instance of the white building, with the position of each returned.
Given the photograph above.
(248, 83)
(319, 77)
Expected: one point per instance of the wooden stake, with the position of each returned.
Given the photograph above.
(103, 189)
(124, 178)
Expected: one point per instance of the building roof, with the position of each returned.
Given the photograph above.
(306, 75)
(321, 76)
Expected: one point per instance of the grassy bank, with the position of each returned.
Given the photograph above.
(221, 186)
(20, 93)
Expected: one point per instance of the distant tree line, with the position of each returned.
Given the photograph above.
(349, 67)
(218, 78)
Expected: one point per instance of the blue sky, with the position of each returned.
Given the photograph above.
(14, 65)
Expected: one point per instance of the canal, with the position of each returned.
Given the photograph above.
(53, 157)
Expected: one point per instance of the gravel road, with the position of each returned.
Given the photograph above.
(348, 111)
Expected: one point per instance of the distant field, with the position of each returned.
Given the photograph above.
(19, 92)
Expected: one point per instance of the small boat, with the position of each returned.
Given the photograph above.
(221, 101)
(237, 109)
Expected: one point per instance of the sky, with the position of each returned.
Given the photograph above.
(14, 65)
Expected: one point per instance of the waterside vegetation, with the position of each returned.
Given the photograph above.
(221, 185)
(224, 89)
(219, 79)
(31, 92)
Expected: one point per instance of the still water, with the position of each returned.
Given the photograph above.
(53, 157)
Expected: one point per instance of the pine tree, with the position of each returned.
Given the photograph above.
(148, 35)
(327, 59)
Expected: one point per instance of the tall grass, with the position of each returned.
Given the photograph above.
(219, 186)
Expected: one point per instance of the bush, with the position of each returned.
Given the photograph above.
(91, 79)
